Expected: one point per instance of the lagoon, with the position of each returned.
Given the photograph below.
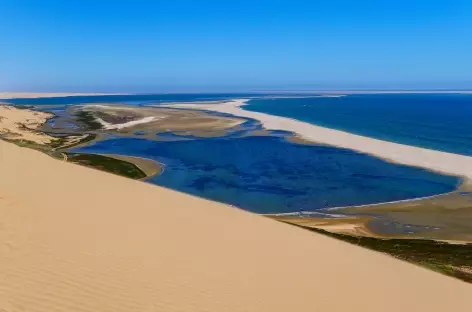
(268, 174)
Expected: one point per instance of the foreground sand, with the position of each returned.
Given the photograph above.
(458, 165)
(77, 239)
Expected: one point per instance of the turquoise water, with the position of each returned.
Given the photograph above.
(266, 174)
(436, 121)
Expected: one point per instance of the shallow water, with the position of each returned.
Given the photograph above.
(435, 121)
(267, 174)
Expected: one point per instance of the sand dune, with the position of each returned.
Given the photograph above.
(458, 165)
(31, 95)
(77, 239)
(20, 124)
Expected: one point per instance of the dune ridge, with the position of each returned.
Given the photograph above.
(77, 239)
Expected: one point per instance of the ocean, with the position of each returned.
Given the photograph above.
(441, 122)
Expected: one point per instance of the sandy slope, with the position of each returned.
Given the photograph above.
(20, 124)
(76, 239)
(449, 163)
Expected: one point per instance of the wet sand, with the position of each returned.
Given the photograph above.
(444, 217)
(125, 120)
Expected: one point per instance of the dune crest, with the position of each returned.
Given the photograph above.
(34, 95)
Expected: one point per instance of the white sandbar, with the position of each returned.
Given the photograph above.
(448, 163)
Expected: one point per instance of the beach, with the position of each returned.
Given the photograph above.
(443, 162)
(78, 239)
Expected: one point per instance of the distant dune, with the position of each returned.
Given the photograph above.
(77, 239)
(30, 95)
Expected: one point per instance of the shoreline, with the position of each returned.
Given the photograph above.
(340, 208)
(442, 162)
(444, 217)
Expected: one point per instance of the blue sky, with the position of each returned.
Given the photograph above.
(162, 46)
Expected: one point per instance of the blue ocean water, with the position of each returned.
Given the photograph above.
(267, 174)
(435, 121)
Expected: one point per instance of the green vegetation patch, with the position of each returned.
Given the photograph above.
(61, 142)
(450, 259)
(24, 106)
(107, 164)
(28, 144)
(58, 142)
(88, 120)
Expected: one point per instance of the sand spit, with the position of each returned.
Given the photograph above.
(148, 166)
(150, 120)
(77, 239)
(110, 126)
(448, 163)
(21, 124)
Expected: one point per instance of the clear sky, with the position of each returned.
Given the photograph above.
(239, 45)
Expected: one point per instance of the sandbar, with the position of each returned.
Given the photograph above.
(125, 119)
(448, 163)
